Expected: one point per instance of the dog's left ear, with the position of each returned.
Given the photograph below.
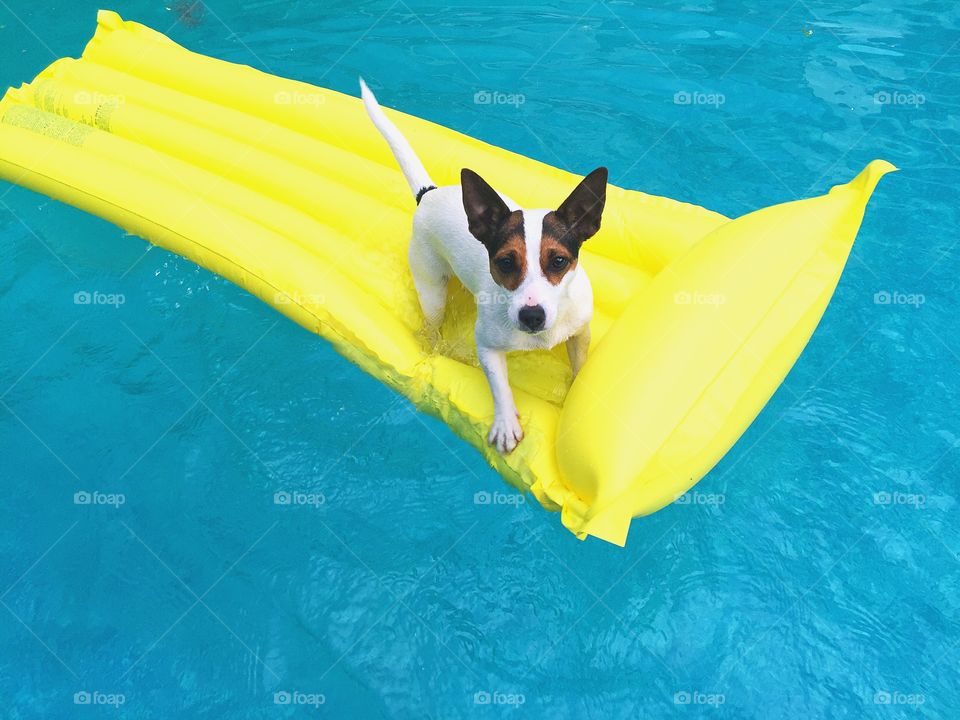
(484, 207)
(581, 211)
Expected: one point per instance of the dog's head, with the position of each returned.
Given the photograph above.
(533, 253)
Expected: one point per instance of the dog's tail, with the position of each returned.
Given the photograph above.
(410, 164)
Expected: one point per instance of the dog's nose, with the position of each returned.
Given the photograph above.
(532, 317)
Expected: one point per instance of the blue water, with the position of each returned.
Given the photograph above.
(815, 576)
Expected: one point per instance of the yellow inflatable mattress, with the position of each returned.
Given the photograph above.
(287, 190)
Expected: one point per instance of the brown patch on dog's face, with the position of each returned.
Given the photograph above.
(501, 231)
(508, 252)
(559, 249)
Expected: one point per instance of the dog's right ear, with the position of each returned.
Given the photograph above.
(582, 210)
(485, 209)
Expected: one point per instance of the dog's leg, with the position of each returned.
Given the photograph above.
(577, 346)
(430, 277)
(505, 432)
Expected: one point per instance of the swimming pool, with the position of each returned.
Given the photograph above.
(209, 513)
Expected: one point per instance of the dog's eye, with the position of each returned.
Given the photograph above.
(505, 264)
(558, 263)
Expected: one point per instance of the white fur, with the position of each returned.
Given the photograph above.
(410, 164)
(441, 245)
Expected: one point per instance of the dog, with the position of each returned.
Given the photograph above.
(520, 265)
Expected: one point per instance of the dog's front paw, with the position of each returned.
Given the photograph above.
(505, 432)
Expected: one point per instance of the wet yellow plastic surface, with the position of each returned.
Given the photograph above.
(287, 190)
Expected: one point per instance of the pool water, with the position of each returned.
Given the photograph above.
(208, 513)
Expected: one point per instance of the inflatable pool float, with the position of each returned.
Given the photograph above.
(287, 190)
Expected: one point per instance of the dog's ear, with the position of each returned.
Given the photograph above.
(485, 209)
(581, 211)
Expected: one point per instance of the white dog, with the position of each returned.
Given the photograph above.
(520, 265)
